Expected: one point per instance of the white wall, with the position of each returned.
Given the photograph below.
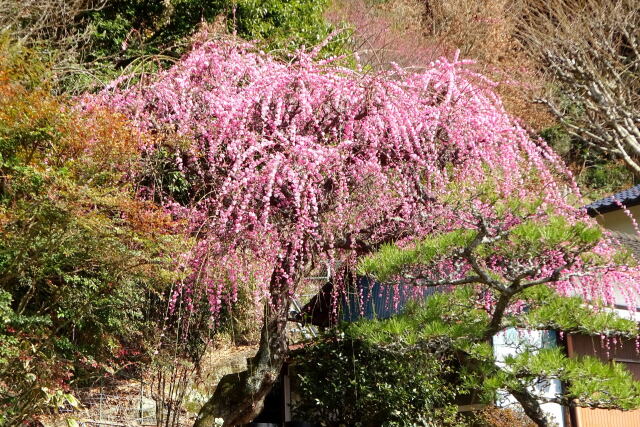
(507, 343)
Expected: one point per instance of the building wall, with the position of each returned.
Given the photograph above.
(586, 417)
(510, 342)
(625, 353)
(619, 221)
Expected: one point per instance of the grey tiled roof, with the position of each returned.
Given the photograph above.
(628, 197)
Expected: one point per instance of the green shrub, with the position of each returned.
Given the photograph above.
(344, 379)
(80, 254)
(598, 174)
(90, 43)
(131, 28)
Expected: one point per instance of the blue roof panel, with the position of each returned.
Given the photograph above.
(628, 197)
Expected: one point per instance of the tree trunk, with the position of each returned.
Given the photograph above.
(239, 398)
(531, 407)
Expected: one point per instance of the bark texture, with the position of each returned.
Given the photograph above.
(531, 407)
(239, 398)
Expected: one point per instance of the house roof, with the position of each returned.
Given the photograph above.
(629, 197)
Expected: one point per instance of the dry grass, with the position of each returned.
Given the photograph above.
(412, 33)
(386, 32)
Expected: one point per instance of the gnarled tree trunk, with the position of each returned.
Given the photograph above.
(239, 398)
(531, 407)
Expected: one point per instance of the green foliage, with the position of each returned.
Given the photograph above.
(597, 174)
(511, 261)
(442, 315)
(390, 260)
(555, 231)
(548, 310)
(343, 379)
(30, 374)
(80, 255)
(367, 370)
(87, 46)
(527, 239)
(142, 36)
(600, 179)
(590, 381)
(154, 26)
(286, 25)
(160, 171)
(533, 237)
(19, 64)
(558, 138)
(123, 30)
(537, 230)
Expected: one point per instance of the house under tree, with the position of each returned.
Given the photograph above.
(618, 213)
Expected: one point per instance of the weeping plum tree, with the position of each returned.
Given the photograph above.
(278, 167)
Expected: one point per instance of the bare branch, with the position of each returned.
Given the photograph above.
(590, 47)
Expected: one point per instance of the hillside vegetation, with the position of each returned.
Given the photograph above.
(109, 176)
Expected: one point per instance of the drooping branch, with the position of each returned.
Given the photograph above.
(309, 160)
(239, 398)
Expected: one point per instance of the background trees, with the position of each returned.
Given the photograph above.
(590, 52)
(81, 256)
(514, 42)
(91, 42)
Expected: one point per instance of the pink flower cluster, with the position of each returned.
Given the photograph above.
(312, 161)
